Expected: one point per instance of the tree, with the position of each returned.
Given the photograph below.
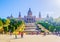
(14, 24)
(51, 28)
(11, 25)
(5, 24)
(57, 28)
(1, 25)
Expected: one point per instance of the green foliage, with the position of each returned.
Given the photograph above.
(4, 21)
(57, 28)
(49, 26)
(10, 24)
(1, 23)
(19, 23)
(5, 29)
(46, 25)
(14, 24)
(42, 31)
(54, 28)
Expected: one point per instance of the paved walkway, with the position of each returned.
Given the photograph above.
(30, 38)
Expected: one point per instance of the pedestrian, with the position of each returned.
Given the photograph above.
(44, 33)
(15, 36)
(37, 32)
(21, 34)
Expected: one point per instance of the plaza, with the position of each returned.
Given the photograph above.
(30, 38)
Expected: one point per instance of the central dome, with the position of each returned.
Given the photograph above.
(29, 12)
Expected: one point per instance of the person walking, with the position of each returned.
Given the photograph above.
(21, 34)
(15, 36)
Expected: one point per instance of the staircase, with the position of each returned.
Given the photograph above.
(30, 28)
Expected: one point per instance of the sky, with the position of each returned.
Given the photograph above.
(8, 7)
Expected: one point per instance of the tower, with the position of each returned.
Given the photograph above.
(19, 15)
(11, 16)
(47, 16)
(29, 12)
(39, 14)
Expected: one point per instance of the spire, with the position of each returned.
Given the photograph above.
(19, 14)
(11, 16)
(29, 12)
(39, 14)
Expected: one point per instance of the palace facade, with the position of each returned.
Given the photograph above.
(29, 18)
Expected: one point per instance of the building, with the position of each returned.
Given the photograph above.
(29, 18)
(39, 14)
(10, 17)
(39, 17)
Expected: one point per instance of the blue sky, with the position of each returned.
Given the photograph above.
(8, 7)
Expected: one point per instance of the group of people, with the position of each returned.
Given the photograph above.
(21, 33)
